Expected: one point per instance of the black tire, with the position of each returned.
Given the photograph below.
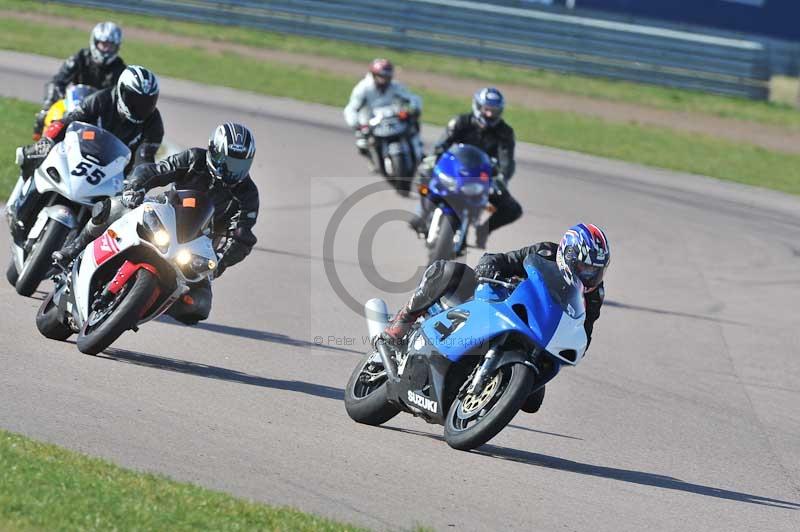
(442, 248)
(49, 321)
(38, 262)
(93, 338)
(372, 407)
(403, 175)
(516, 384)
(11, 273)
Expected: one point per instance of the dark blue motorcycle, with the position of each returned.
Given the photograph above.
(471, 366)
(453, 199)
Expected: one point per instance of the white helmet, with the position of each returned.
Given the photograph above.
(137, 93)
(104, 42)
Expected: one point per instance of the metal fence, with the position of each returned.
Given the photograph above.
(529, 37)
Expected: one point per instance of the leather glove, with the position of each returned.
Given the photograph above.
(486, 270)
(132, 198)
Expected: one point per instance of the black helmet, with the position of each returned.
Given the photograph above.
(137, 93)
(231, 149)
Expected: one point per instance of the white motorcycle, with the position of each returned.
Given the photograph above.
(133, 272)
(86, 167)
(392, 128)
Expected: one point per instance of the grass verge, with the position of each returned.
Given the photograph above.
(44, 487)
(777, 113)
(649, 145)
(16, 130)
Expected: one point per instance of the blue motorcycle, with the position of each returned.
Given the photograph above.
(453, 199)
(471, 366)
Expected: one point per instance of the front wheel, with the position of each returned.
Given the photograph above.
(365, 397)
(107, 323)
(443, 247)
(472, 420)
(38, 262)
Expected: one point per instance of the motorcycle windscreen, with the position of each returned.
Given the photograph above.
(569, 296)
(98, 145)
(193, 212)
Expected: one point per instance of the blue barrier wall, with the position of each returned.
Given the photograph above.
(774, 18)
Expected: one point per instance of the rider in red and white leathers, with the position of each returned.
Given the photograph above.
(377, 89)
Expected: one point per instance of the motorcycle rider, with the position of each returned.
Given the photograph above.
(98, 66)
(128, 111)
(582, 253)
(484, 128)
(377, 89)
(222, 171)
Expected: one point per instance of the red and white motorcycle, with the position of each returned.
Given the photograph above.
(133, 272)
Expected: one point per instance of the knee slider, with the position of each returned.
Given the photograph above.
(100, 211)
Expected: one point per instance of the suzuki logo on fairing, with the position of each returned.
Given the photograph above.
(423, 402)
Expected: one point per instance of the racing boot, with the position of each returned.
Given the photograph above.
(395, 332)
(482, 235)
(64, 256)
(534, 401)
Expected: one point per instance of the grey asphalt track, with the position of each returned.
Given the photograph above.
(684, 416)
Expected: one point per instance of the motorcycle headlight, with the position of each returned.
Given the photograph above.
(472, 189)
(448, 182)
(158, 233)
(183, 257)
(196, 263)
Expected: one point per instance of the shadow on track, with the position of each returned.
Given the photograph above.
(216, 372)
(254, 334)
(623, 475)
(626, 306)
(518, 427)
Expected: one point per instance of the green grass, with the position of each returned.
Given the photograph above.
(650, 145)
(776, 113)
(16, 131)
(44, 487)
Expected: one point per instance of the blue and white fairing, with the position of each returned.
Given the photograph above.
(545, 308)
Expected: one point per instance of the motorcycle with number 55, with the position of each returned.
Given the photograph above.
(86, 167)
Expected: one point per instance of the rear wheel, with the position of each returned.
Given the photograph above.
(365, 397)
(38, 262)
(49, 321)
(474, 419)
(107, 323)
(11, 273)
(443, 247)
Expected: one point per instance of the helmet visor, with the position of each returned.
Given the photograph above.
(106, 47)
(590, 275)
(382, 80)
(491, 113)
(140, 106)
(230, 169)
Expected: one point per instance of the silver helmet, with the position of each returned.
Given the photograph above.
(104, 42)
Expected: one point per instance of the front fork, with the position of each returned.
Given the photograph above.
(487, 368)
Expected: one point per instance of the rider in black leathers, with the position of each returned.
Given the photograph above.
(136, 122)
(222, 172)
(98, 66)
(494, 136)
(457, 281)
